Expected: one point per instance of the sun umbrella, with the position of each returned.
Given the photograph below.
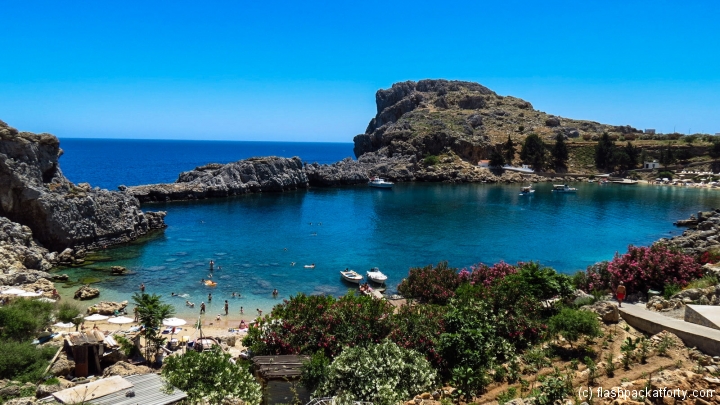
(173, 322)
(97, 317)
(120, 320)
(29, 294)
(64, 325)
(14, 291)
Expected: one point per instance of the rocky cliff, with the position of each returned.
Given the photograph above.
(215, 180)
(433, 117)
(34, 193)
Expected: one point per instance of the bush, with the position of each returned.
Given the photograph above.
(419, 327)
(315, 371)
(67, 311)
(431, 160)
(707, 280)
(486, 275)
(670, 289)
(596, 277)
(573, 324)
(665, 174)
(23, 361)
(210, 376)
(643, 268)
(433, 285)
(383, 374)
(24, 318)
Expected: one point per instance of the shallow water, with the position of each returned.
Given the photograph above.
(254, 239)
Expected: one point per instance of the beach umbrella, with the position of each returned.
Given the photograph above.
(29, 294)
(120, 320)
(64, 325)
(173, 322)
(96, 317)
(14, 291)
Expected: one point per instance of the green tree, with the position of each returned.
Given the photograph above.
(496, 158)
(572, 324)
(620, 159)
(209, 377)
(560, 153)
(533, 152)
(509, 150)
(633, 153)
(714, 150)
(24, 318)
(667, 157)
(151, 311)
(604, 152)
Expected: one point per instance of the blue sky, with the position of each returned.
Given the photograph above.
(308, 71)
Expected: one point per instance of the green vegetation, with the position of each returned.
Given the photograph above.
(315, 371)
(210, 376)
(23, 361)
(431, 160)
(572, 324)
(533, 152)
(151, 311)
(707, 280)
(20, 322)
(68, 311)
(508, 149)
(559, 152)
(23, 319)
(671, 289)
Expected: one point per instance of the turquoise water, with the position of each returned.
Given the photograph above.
(253, 239)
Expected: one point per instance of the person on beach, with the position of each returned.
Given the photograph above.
(620, 294)
(259, 312)
(136, 314)
(227, 307)
(202, 307)
(209, 298)
(243, 325)
(142, 287)
(217, 318)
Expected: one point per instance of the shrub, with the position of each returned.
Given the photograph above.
(665, 174)
(23, 361)
(554, 388)
(596, 277)
(431, 160)
(542, 283)
(315, 371)
(670, 289)
(431, 284)
(587, 137)
(67, 311)
(507, 396)
(306, 324)
(707, 280)
(643, 268)
(210, 376)
(383, 374)
(419, 327)
(573, 324)
(23, 318)
(486, 275)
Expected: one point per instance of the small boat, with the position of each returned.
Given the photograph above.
(351, 276)
(379, 183)
(563, 188)
(624, 181)
(527, 190)
(310, 266)
(210, 283)
(376, 275)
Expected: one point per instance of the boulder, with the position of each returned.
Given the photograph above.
(22, 401)
(86, 293)
(44, 390)
(117, 270)
(107, 307)
(608, 312)
(122, 368)
(62, 366)
(580, 296)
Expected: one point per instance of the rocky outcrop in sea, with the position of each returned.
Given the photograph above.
(252, 175)
(702, 235)
(35, 193)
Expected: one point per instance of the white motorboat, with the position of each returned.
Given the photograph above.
(380, 183)
(376, 275)
(351, 276)
(527, 190)
(563, 188)
(624, 181)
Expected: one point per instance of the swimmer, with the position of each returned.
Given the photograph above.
(202, 280)
(292, 263)
(285, 249)
(233, 295)
(172, 294)
(241, 310)
(275, 292)
(219, 267)
(209, 275)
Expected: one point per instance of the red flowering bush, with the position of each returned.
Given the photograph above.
(643, 268)
(595, 278)
(307, 324)
(486, 275)
(431, 284)
(419, 327)
(708, 257)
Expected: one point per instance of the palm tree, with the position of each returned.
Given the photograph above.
(151, 311)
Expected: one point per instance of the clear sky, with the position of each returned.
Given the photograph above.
(308, 71)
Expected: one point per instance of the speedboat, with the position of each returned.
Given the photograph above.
(380, 183)
(351, 276)
(527, 190)
(376, 275)
(563, 188)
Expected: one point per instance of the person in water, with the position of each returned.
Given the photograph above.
(241, 310)
(202, 308)
(210, 298)
(212, 264)
(275, 292)
(227, 307)
(142, 287)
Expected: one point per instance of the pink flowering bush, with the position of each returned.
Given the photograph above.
(431, 284)
(486, 275)
(643, 268)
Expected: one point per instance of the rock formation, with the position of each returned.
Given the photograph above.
(215, 180)
(701, 236)
(35, 193)
(432, 117)
(107, 307)
(86, 293)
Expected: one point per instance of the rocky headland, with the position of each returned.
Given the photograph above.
(45, 219)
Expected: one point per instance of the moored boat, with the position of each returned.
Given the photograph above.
(351, 276)
(563, 188)
(379, 183)
(376, 275)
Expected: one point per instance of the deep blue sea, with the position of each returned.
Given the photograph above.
(255, 239)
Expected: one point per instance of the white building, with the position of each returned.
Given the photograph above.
(652, 165)
(484, 163)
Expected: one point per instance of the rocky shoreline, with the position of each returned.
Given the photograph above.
(46, 220)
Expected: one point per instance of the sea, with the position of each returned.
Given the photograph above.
(263, 242)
